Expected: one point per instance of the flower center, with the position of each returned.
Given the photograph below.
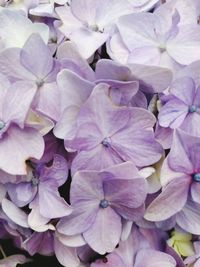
(94, 28)
(35, 181)
(192, 108)
(106, 142)
(196, 177)
(2, 125)
(104, 203)
(39, 83)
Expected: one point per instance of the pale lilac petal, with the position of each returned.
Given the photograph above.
(71, 241)
(153, 258)
(22, 194)
(34, 51)
(155, 78)
(172, 114)
(68, 50)
(10, 65)
(170, 201)
(74, 90)
(47, 101)
(182, 145)
(57, 172)
(36, 221)
(104, 234)
(129, 193)
(18, 101)
(14, 213)
(80, 220)
(66, 256)
(184, 89)
(13, 22)
(86, 186)
(184, 47)
(96, 159)
(189, 218)
(26, 144)
(195, 189)
(137, 30)
(130, 144)
(51, 205)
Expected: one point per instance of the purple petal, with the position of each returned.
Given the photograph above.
(28, 142)
(170, 201)
(104, 233)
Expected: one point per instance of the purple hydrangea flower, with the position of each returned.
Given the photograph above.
(181, 107)
(20, 141)
(107, 134)
(41, 193)
(100, 200)
(180, 180)
(155, 39)
(91, 22)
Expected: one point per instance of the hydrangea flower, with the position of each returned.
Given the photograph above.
(15, 135)
(22, 64)
(155, 39)
(91, 22)
(100, 200)
(181, 107)
(137, 251)
(113, 131)
(180, 181)
(41, 193)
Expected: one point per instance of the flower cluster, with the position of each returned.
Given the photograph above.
(100, 132)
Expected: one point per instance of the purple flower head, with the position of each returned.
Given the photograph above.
(107, 134)
(41, 193)
(91, 22)
(137, 251)
(22, 64)
(180, 180)
(155, 39)
(181, 107)
(15, 135)
(100, 200)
